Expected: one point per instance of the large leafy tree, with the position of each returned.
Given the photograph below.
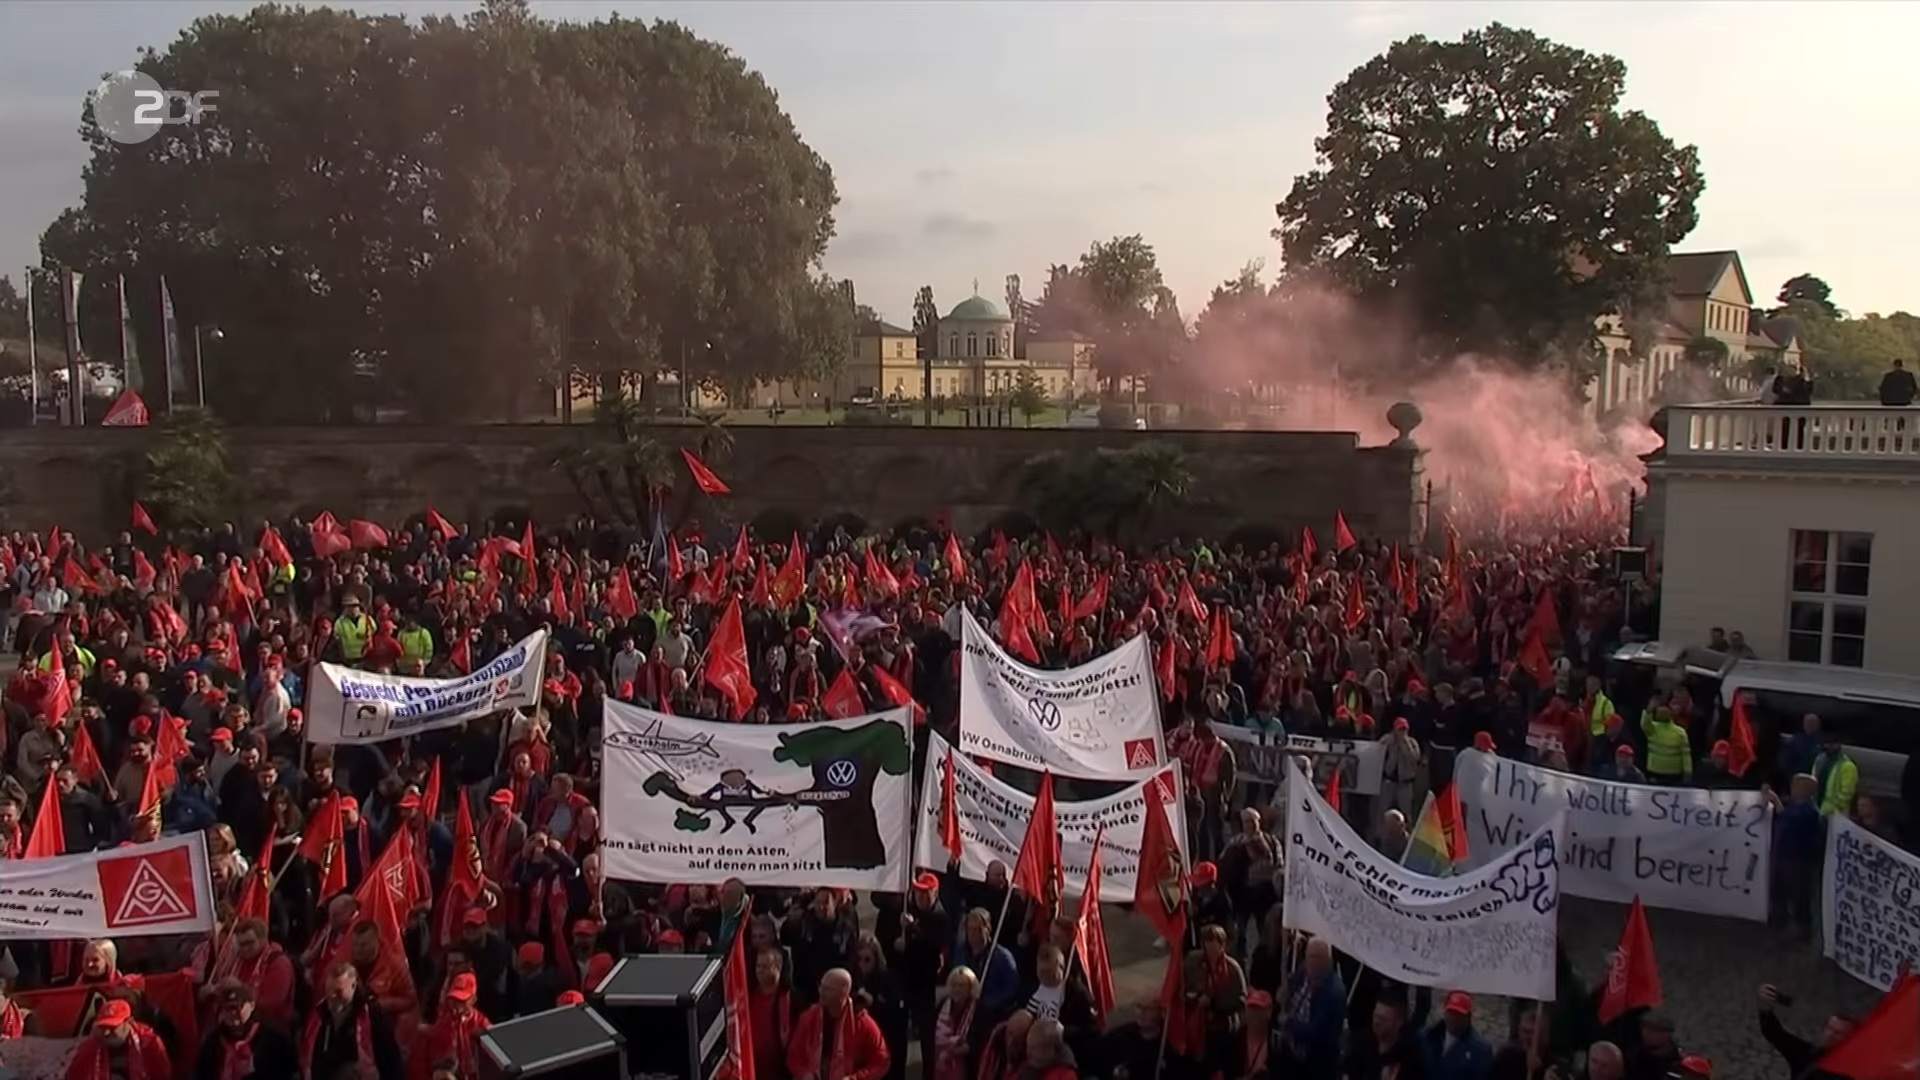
(1809, 290)
(1845, 354)
(439, 215)
(1494, 187)
(1116, 296)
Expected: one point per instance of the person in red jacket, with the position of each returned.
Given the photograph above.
(451, 1038)
(834, 1040)
(120, 1046)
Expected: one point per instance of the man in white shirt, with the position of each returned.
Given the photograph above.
(270, 712)
(626, 664)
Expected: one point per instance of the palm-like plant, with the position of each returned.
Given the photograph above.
(615, 465)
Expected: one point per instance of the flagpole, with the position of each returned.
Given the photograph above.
(33, 358)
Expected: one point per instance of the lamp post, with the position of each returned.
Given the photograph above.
(200, 334)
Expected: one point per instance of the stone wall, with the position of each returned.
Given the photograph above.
(884, 475)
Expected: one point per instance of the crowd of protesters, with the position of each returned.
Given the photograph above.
(160, 692)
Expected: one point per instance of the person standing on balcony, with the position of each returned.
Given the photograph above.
(1897, 387)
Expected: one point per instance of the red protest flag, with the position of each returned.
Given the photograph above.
(742, 552)
(466, 875)
(144, 574)
(1038, 868)
(143, 520)
(1165, 668)
(1095, 601)
(57, 692)
(1308, 549)
(1545, 620)
(86, 758)
(321, 845)
(254, 898)
(842, 699)
(1886, 1044)
(896, 692)
(1091, 937)
(365, 534)
(430, 798)
(621, 600)
(1356, 613)
(733, 986)
(1534, 660)
(1453, 823)
(1342, 536)
(331, 542)
(1740, 741)
(704, 478)
(676, 567)
(441, 525)
(1633, 978)
(169, 746)
(127, 410)
(726, 665)
(956, 561)
(1159, 892)
(1013, 626)
(950, 809)
(49, 835)
(791, 581)
(1219, 639)
(1333, 790)
(1188, 604)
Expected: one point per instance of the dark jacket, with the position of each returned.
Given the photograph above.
(1798, 1052)
(1897, 387)
(274, 1055)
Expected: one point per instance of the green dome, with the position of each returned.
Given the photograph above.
(976, 307)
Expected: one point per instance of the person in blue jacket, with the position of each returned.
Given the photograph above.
(1455, 1051)
(994, 965)
(1312, 1015)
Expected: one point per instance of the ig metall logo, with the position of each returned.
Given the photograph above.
(131, 108)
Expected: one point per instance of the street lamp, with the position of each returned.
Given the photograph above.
(200, 334)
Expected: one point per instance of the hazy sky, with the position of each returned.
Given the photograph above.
(975, 140)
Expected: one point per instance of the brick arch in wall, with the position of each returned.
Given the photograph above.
(451, 479)
(333, 482)
(791, 482)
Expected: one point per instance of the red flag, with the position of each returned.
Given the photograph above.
(1159, 892)
(49, 835)
(842, 698)
(1356, 613)
(956, 561)
(86, 758)
(1091, 936)
(465, 877)
(1740, 741)
(430, 798)
(143, 520)
(365, 534)
(1038, 867)
(127, 410)
(143, 573)
(742, 553)
(1342, 536)
(57, 691)
(726, 665)
(557, 598)
(1095, 601)
(896, 692)
(274, 548)
(1633, 978)
(1886, 1044)
(1013, 626)
(1164, 668)
(703, 477)
(169, 746)
(441, 525)
(1219, 639)
(254, 899)
(529, 553)
(1333, 790)
(621, 600)
(733, 986)
(949, 809)
(320, 845)
(461, 655)
(330, 542)
(791, 581)
(1534, 659)
(1453, 823)
(1545, 619)
(1308, 549)
(881, 576)
(1186, 603)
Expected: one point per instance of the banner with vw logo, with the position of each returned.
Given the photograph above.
(993, 818)
(825, 803)
(1098, 721)
(140, 890)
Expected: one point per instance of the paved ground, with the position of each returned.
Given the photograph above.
(1710, 969)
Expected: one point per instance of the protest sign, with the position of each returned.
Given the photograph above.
(1491, 931)
(1099, 721)
(824, 803)
(140, 890)
(1262, 758)
(347, 705)
(1870, 904)
(1688, 849)
(993, 821)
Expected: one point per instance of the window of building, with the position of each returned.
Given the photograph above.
(1827, 606)
(953, 344)
(993, 345)
(900, 348)
(973, 344)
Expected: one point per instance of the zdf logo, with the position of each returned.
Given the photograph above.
(131, 108)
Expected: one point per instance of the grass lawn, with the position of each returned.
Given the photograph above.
(917, 417)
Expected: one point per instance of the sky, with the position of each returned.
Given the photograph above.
(975, 140)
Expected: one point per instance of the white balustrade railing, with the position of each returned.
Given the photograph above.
(1830, 432)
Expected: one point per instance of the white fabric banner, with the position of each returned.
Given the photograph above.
(824, 803)
(994, 816)
(140, 890)
(1263, 758)
(1870, 904)
(1098, 721)
(1687, 849)
(347, 705)
(1487, 932)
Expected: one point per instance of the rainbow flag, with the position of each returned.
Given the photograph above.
(1439, 840)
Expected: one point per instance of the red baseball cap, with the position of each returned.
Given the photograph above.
(569, 997)
(462, 987)
(503, 797)
(1459, 1001)
(113, 1012)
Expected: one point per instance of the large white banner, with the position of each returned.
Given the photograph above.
(824, 803)
(1263, 758)
(1490, 932)
(1870, 907)
(347, 705)
(163, 887)
(993, 822)
(1687, 849)
(1099, 721)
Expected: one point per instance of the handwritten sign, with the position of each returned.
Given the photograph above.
(163, 887)
(1099, 721)
(1263, 758)
(1682, 848)
(1491, 931)
(1871, 904)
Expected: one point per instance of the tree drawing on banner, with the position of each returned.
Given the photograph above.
(846, 763)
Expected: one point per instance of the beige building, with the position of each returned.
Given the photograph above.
(1708, 297)
(1799, 527)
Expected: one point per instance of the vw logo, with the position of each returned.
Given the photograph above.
(1045, 713)
(842, 774)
